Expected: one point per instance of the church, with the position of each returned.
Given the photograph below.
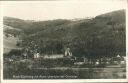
(67, 54)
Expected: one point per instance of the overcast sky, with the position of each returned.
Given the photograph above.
(49, 10)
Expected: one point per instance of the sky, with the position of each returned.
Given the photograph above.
(63, 9)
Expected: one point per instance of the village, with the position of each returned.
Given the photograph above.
(116, 61)
(64, 40)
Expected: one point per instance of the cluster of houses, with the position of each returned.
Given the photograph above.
(107, 61)
(67, 54)
(117, 60)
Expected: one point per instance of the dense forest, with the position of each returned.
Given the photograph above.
(104, 35)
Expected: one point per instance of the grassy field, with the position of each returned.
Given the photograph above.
(9, 43)
(29, 69)
(106, 73)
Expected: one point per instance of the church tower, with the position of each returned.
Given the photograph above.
(68, 53)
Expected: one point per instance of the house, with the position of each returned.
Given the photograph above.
(122, 62)
(80, 60)
(54, 56)
(118, 60)
(97, 63)
(24, 55)
(78, 63)
(107, 62)
(124, 57)
(36, 55)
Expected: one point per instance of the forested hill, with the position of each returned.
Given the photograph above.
(30, 26)
(103, 35)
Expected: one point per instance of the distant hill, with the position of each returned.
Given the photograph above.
(16, 23)
(30, 27)
(103, 35)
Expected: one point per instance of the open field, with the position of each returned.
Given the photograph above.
(26, 71)
(93, 73)
(9, 44)
(106, 73)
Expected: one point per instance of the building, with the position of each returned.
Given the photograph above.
(54, 56)
(36, 55)
(68, 53)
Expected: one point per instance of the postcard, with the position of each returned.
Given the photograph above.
(63, 41)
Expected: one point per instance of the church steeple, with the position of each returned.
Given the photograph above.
(68, 52)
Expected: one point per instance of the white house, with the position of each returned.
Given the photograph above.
(53, 56)
(36, 55)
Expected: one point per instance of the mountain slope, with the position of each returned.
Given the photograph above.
(9, 43)
(10, 38)
(101, 36)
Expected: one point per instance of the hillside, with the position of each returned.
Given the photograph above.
(10, 38)
(9, 43)
(101, 36)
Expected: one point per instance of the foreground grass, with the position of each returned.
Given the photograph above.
(30, 69)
